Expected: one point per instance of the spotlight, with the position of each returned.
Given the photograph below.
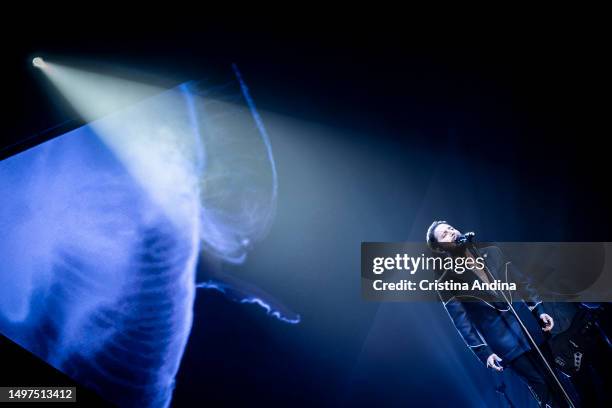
(39, 62)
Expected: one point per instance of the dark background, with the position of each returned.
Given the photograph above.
(518, 120)
(533, 102)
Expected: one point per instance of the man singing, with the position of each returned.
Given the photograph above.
(490, 328)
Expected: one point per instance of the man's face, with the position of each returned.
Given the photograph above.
(445, 233)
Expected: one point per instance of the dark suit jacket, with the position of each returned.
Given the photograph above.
(490, 326)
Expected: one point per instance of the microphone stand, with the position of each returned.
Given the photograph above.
(469, 245)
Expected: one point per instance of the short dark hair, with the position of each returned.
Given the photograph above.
(432, 241)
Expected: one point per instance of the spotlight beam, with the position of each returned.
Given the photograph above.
(38, 62)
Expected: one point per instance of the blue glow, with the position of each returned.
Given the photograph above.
(259, 123)
(238, 188)
(193, 117)
(242, 294)
(106, 224)
(271, 312)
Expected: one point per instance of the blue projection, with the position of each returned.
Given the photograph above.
(103, 228)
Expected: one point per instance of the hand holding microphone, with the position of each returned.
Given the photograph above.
(465, 238)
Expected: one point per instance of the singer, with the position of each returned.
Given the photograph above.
(490, 329)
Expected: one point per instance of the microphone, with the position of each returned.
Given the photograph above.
(468, 237)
